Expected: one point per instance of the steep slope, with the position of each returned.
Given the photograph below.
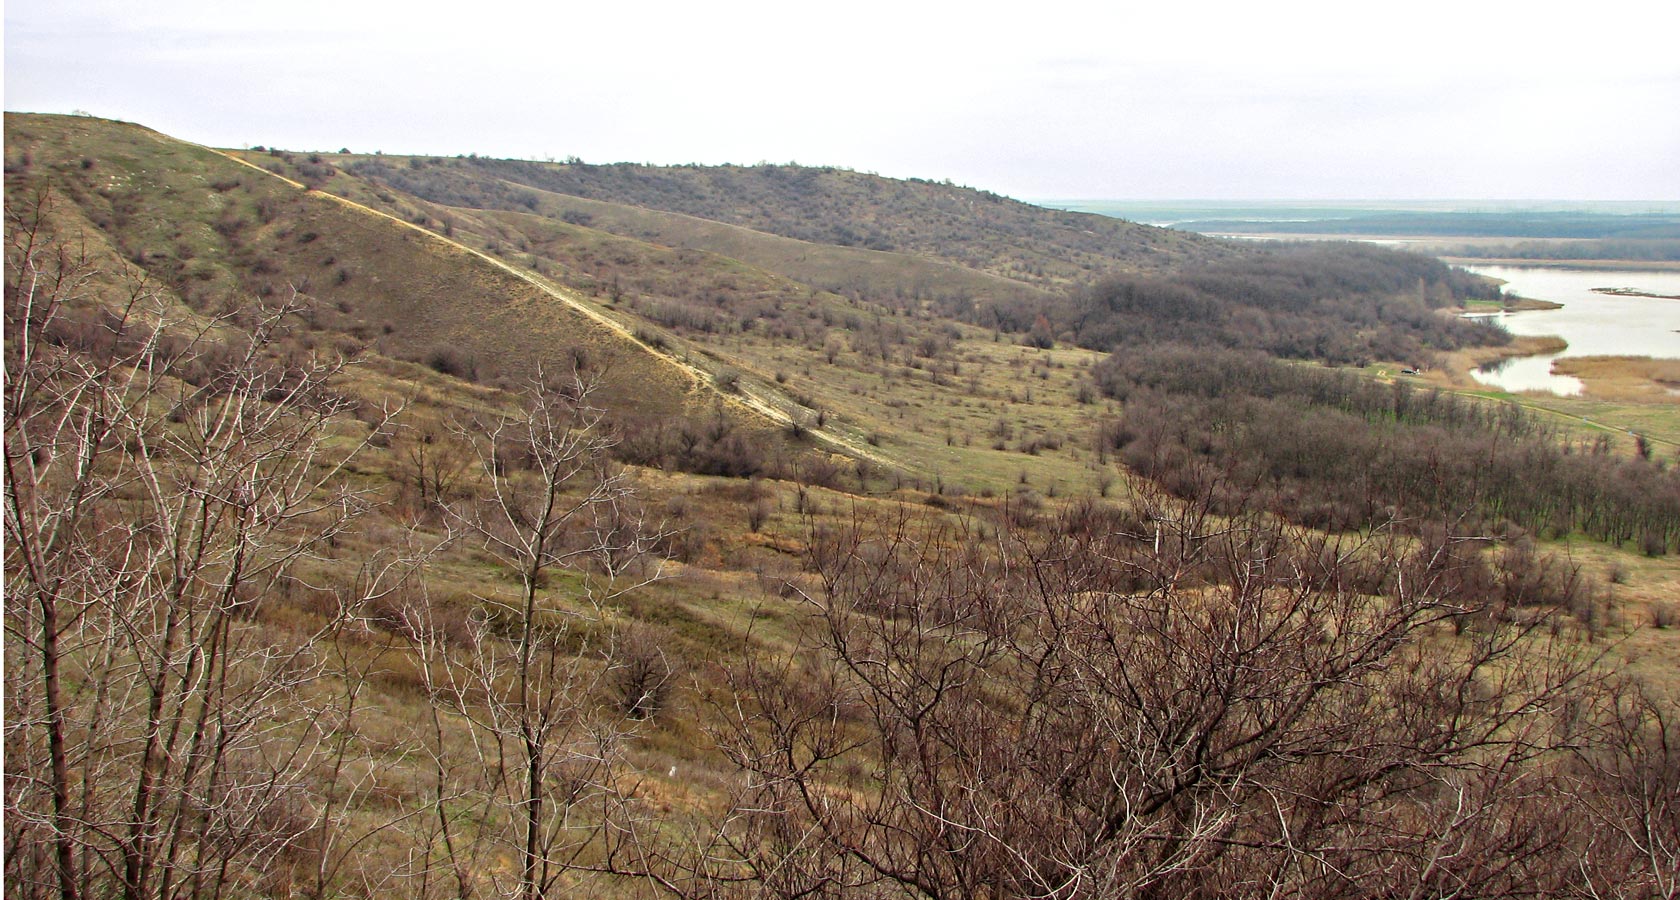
(904, 281)
(976, 229)
(888, 366)
(213, 231)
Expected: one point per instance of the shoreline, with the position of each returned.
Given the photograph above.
(1443, 248)
(1607, 265)
(1628, 379)
(1456, 366)
(1632, 292)
(1511, 304)
(1645, 380)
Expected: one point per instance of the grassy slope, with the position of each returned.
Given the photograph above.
(827, 206)
(212, 230)
(971, 412)
(859, 271)
(143, 196)
(855, 270)
(965, 414)
(944, 402)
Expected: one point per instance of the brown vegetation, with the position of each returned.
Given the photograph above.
(1340, 452)
(817, 205)
(1153, 701)
(1624, 378)
(286, 616)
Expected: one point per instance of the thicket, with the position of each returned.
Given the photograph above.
(1335, 450)
(1153, 701)
(716, 445)
(1341, 303)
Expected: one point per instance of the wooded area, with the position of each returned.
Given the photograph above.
(1339, 303)
(1336, 451)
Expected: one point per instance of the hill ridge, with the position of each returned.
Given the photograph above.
(761, 400)
(977, 229)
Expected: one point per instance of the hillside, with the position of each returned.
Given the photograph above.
(364, 543)
(831, 206)
(1341, 303)
(210, 232)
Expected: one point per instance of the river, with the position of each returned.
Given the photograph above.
(1594, 324)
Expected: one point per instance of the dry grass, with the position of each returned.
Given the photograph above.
(1625, 378)
(981, 415)
(828, 267)
(1645, 591)
(1456, 366)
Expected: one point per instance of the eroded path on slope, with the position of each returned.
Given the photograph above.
(773, 406)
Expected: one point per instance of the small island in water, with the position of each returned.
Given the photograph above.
(1633, 292)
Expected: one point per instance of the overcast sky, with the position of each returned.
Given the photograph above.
(1174, 99)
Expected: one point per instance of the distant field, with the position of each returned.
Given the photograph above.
(1594, 235)
(1416, 213)
(1567, 253)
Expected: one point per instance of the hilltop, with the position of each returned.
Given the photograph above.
(839, 207)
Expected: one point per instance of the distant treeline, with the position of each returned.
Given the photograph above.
(1481, 224)
(1337, 302)
(1333, 450)
(1643, 250)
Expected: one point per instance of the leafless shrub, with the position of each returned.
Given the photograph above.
(642, 674)
(162, 481)
(1143, 700)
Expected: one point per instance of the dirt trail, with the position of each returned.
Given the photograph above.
(748, 396)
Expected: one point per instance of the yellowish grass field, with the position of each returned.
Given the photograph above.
(1625, 378)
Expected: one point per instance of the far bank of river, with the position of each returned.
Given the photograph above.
(1594, 324)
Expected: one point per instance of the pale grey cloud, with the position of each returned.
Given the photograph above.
(1298, 99)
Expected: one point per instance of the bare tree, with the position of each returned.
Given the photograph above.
(1628, 760)
(431, 463)
(1143, 702)
(534, 678)
(164, 477)
(348, 819)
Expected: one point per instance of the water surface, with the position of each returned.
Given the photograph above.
(1593, 324)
